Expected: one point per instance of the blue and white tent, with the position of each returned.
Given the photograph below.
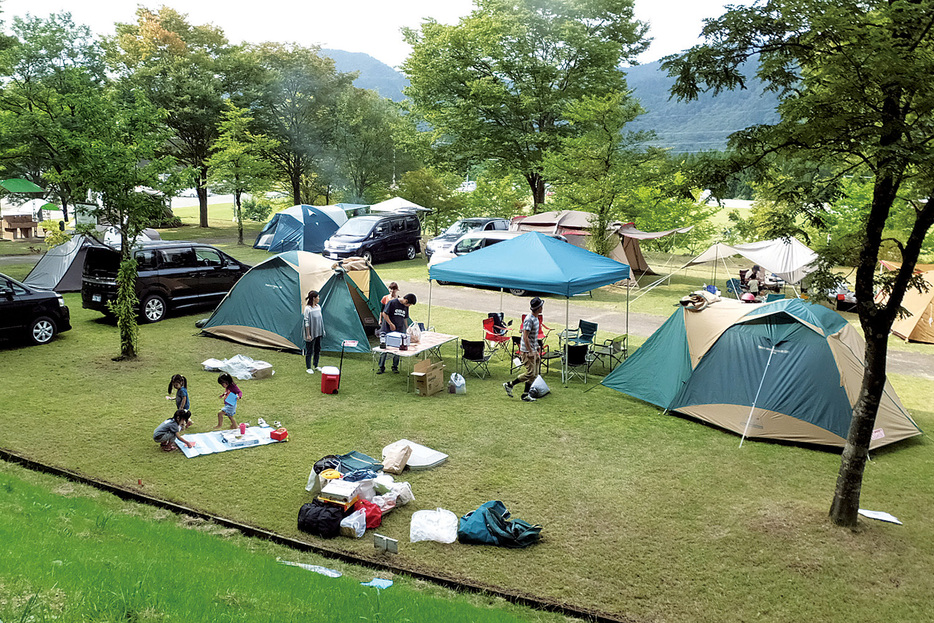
(300, 228)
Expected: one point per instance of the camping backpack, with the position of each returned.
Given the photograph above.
(321, 519)
(490, 525)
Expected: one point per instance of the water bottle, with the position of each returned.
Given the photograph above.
(382, 340)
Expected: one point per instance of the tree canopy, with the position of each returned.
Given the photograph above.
(496, 85)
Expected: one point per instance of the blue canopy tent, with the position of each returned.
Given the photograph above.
(300, 228)
(533, 262)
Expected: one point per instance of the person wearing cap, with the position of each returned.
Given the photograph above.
(394, 318)
(529, 353)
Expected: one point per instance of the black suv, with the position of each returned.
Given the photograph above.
(171, 275)
(376, 237)
(39, 314)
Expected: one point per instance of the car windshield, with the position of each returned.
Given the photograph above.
(356, 227)
(462, 227)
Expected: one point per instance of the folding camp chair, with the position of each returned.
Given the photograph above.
(475, 358)
(612, 352)
(547, 355)
(577, 360)
(734, 286)
(583, 334)
(496, 336)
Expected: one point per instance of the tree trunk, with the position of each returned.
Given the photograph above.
(126, 300)
(537, 184)
(239, 218)
(845, 506)
(202, 191)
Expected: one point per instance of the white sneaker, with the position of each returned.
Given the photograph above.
(318, 368)
(310, 370)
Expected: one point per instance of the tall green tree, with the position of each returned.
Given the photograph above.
(239, 163)
(496, 85)
(114, 151)
(364, 147)
(296, 104)
(52, 68)
(856, 86)
(181, 69)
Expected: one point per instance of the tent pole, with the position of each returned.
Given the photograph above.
(502, 293)
(564, 354)
(752, 409)
(428, 324)
(627, 308)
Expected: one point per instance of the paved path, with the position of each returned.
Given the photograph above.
(610, 320)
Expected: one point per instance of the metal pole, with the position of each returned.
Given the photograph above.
(772, 351)
(428, 324)
(564, 354)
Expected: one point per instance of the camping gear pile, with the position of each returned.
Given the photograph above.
(353, 492)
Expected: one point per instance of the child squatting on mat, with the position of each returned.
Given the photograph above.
(170, 430)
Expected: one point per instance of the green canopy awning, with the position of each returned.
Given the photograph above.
(19, 185)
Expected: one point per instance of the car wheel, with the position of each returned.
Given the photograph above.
(517, 291)
(443, 283)
(410, 252)
(153, 308)
(42, 330)
(368, 256)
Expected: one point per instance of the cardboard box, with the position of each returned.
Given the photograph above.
(236, 440)
(429, 377)
(262, 370)
(340, 492)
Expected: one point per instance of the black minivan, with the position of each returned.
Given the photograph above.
(170, 275)
(375, 237)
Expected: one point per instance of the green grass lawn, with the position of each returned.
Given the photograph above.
(645, 515)
(80, 555)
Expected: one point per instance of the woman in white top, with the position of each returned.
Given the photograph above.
(313, 325)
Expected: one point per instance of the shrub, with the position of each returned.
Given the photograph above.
(256, 209)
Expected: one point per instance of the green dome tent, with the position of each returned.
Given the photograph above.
(265, 306)
(787, 370)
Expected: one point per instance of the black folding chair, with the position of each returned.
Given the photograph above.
(576, 362)
(475, 358)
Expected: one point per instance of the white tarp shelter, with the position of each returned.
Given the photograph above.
(397, 204)
(788, 258)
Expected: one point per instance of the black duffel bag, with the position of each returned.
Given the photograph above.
(321, 519)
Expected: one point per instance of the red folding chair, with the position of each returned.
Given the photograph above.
(496, 340)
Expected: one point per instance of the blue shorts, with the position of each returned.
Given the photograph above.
(229, 410)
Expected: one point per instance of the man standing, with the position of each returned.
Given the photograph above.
(529, 352)
(394, 318)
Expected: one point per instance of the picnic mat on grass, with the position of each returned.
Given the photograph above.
(212, 442)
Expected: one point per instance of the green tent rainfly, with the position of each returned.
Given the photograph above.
(264, 308)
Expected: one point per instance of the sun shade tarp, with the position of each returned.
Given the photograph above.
(19, 185)
(788, 258)
(533, 262)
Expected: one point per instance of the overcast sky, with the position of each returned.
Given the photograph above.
(370, 26)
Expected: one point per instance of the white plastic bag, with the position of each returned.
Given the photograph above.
(539, 387)
(438, 525)
(415, 334)
(457, 384)
(385, 502)
(367, 489)
(354, 524)
(403, 491)
(314, 483)
(384, 483)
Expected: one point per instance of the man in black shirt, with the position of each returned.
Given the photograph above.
(394, 318)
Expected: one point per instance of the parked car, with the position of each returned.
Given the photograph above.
(463, 226)
(468, 243)
(31, 312)
(375, 237)
(171, 275)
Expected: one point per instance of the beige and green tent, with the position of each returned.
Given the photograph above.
(788, 370)
(918, 324)
(264, 308)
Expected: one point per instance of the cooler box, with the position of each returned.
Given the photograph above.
(279, 434)
(330, 379)
(396, 339)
